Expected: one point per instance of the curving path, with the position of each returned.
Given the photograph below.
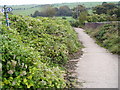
(97, 68)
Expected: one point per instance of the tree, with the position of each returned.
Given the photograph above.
(36, 13)
(64, 11)
(114, 12)
(104, 3)
(77, 10)
(48, 11)
(104, 8)
(100, 9)
(119, 4)
(82, 18)
(109, 6)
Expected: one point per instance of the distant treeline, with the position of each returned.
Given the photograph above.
(49, 11)
(105, 8)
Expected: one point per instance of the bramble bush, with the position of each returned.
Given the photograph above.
(97, 18)
(101, 18)
(107, 36)
(33, 50)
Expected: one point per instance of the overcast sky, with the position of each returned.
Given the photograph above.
(20, 2)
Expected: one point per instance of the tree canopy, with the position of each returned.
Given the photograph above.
(64, 11)
(77, 10)
(104, 8)
(49, 11)
(108, 8)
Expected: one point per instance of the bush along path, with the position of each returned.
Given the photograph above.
(34, 51)
(97, 68)
(107, 36)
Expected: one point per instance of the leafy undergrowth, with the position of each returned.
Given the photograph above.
(34, 51)
(107, 36)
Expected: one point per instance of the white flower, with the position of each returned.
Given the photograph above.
(9, 62)
(14, 56)
(30, 27)
(14, 63)
(39, 66)
(43, 82)
(14, 82)
(25, 66)
(23, 73)
(10, 72)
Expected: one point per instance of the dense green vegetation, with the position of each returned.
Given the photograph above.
(107, 36)
(97, 18)
(101, 18)
(34, 51)
(108, 9)
(101, 13)
(70, 19)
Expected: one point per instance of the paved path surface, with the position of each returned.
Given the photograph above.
(97, 68)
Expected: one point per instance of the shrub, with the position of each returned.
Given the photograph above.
(107, 36)
(22, 66)
(33, 49)
(97, 18)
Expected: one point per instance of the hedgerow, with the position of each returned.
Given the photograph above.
(33, 50)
